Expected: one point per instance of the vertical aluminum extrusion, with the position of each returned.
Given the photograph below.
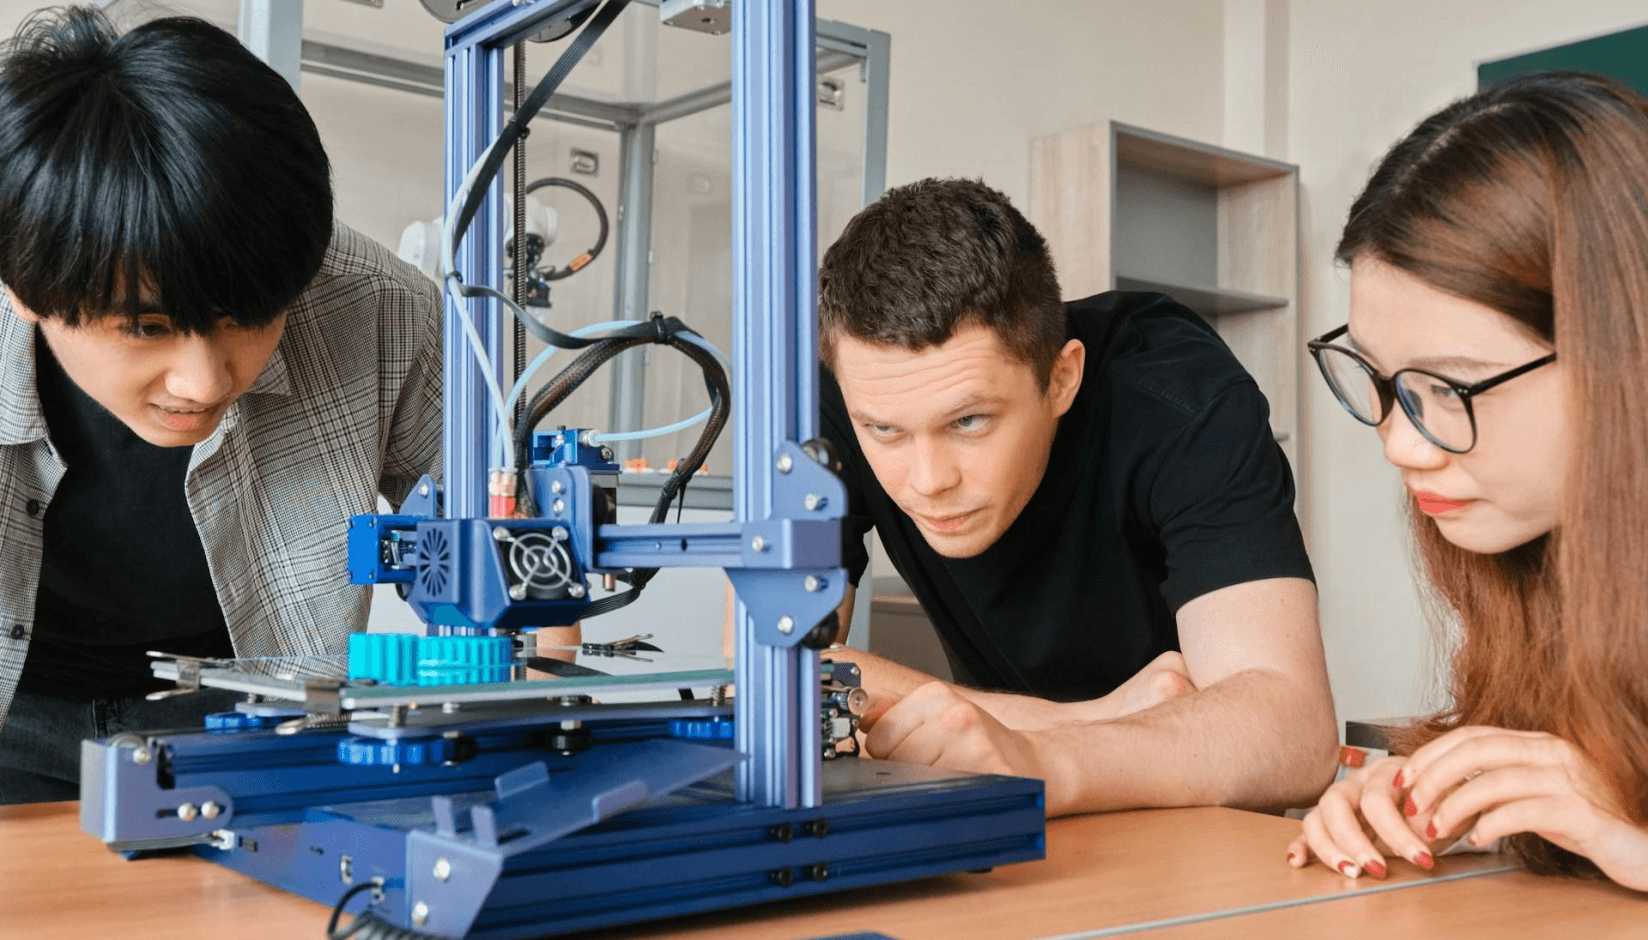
(475, 109)
(775, 343)
(274, 32)
(628, 411)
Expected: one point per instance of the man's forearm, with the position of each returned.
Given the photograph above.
(877, 673)
(1019, 712)
(1255, 740)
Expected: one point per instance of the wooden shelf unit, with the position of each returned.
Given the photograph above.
(1131, 209)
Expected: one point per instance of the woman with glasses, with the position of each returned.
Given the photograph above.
(1498, 344)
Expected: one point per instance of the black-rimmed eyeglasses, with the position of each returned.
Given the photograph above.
(1439, 407)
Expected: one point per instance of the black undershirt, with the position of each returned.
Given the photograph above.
(123, 570)
(1164, 484)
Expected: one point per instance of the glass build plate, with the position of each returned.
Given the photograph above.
(291, 678)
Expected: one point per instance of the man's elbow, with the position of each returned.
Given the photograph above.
(1293, 762)
(1314, 765)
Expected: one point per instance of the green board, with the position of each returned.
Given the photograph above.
(1622, 55)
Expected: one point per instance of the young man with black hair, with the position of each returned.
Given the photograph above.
(202, 376)
(1087, 500)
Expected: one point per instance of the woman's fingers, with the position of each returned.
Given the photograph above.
(1434, 770)
(1298, 853)
(1493, 789)
(1321, 844)
(1342, 826)
(1390, 825)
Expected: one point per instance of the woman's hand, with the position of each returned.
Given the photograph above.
(1523, 781)
(1357, 825)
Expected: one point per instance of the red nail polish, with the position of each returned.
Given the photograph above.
(1397, 783)
(1346, 869)
(1424, 860)
(1375, 869)
(1430, 830)
(1410, 808)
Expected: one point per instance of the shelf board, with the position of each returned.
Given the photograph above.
(1210, 302)
(1191, 161)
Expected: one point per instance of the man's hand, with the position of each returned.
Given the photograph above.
(936, 725)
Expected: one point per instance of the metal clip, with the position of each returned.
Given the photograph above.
(625, 647)
(188, 678)
(322, 697)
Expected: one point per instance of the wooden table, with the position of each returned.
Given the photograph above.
(1119, 873)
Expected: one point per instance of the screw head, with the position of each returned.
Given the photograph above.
(559, 534)
(443, 869)
(210, 810)
(556, 487)
(517, 592)
(785, 463)
(420, 913)
(423, 490)
(142, 756)
(606, 454)
(786, 625)
(812, 584)
(500, 533)
(576, 590)
(558, 507)
(758, 544)
(813, 502)
(187, 812)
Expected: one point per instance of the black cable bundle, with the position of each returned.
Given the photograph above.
(660, 330)
(516, 129)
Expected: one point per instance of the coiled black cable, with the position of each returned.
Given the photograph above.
(579, 263)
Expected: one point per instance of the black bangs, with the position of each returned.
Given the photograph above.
(166, 170)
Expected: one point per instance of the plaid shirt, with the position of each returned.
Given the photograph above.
(348, 407)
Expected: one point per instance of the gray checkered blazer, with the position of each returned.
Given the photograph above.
(349, 407)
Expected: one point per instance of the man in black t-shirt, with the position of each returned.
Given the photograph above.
(1088, 502)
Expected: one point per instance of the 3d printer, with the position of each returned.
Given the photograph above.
(465, 797)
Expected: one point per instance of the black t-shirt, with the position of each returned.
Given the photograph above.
(123, 570)
(1165, 483)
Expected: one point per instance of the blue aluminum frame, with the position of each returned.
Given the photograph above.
(775, 343)
(786, 565)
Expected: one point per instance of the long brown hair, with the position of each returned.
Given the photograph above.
(1532, 198)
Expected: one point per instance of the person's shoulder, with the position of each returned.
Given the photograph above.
(1148, 345)
(357, 272)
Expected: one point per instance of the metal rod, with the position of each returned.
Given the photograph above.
(274, 33)
(518, 293)
(714, 95)
(628, 408)
(333, 61)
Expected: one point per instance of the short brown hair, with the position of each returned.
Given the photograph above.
(935, 255)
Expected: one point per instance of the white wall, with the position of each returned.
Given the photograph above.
(973, 81)
(1362, 75)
